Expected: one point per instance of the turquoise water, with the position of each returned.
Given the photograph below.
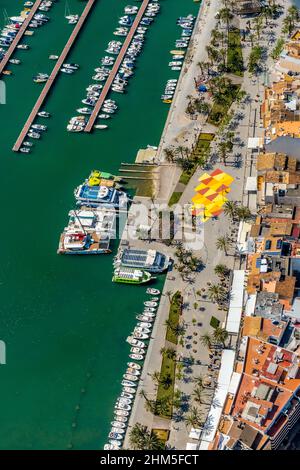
(63, 321)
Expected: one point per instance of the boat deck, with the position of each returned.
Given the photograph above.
(19, 36)
(114, 71)
(53, 75)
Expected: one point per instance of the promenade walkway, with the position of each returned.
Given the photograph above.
(19, 36)
(116, 66)
(53, 75)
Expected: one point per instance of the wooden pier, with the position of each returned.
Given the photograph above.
(53, 75)
(116, 67)
(19, 36)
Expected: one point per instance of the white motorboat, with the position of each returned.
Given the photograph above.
(144, 324)
(118, 424)
(139, 329)
(100, 126)
(121, 413)
(145, 318)
(176, 68)
(131, 10)
(138, 350)
(126, 395)
(115, 443)
(138, 335)
(128, 383)
(43, 114)
(84, 110)
(34, 135)
(117, 430)
(123, 406)
(149, 311)
(132, 378)
(71, 66)
(107, 60)
(129, 390)
(67, 71)
(121, 419)
(125, 401)
(53, 57)
(132, 371)
(111, 447)
(116, 436)
(137, 357)
(133, 365)
(108, 110)
(39, 127)
(28, 144)
(25, 150)
(104, 116)
(150, 303)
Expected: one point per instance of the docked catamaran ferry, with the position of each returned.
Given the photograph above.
(94, 196)
(101, 189)
(151, 260)
(131, 276)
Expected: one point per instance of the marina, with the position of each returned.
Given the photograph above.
(53, 75)
(69, 316)
(116, 67)
(19, 35)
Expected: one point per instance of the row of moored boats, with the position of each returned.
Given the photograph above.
(187, 25)
(14, 23)
(125, 72)
(138, 341)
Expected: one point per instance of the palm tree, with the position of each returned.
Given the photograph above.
(198, 394)
(182, 151)
(169, 154)
(293, 12)
(216, 293)
(163, 406)
(169, 294)
(166, 381)
(223, 243)
(201, 65)
(152, 442)
(258, 23)
(136, 436)
(155, 376)
(198, 381)
(194, 418)
(221, 270)
(243, 213)
(220, 335)
(226, 16)
(170, 353)
(230, 208)
(206, 340)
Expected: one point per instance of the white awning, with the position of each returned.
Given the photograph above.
(255, 142)
(191, 446)
(251, 183)
(211, 425)
(236, 302)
